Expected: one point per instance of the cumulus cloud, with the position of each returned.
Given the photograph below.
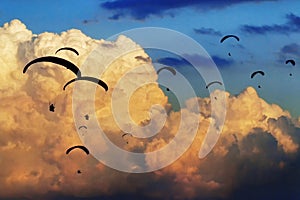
(258, 147)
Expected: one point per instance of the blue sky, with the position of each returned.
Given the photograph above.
(269, 33)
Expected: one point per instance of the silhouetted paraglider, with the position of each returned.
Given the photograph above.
(125, 135)
(83, 148)
(51, 107)
(213, 82)
(87, 117)
(292, 62)
(56, 60)
(88, 78)
(229, 36)
(142, 58)
(80, 127)
(69, 49)
(257, 72)
(172, 70)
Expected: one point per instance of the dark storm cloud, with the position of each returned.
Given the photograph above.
(292, 25)
(207, 31)
(142, 9)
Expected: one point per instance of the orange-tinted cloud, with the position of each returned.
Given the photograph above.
(258, 147)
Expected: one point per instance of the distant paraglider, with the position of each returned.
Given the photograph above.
(87, 117)
(51, 107)
(171, 69)
(78, 147)
(257, 72)
(83, 148)
(213, 82)
(125, 135)
(88, 78)
(56, 60)
(229, 36)
(143, 58)
(292, 62)
(80, 127)
(69, 49)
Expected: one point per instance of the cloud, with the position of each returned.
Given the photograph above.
(256, 157)
(289, 51)
(172, 61)
(207, 31)
(293, 49)
(116, 16)
(222, 62)
(141, 10)
(291, 26)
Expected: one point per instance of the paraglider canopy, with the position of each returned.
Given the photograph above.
(171, 69)
(213, 82)
(78, 147)
(257, 72)
(69, 49)
(291, 61)
(229, 36)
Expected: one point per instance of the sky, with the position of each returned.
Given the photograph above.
(267, 39)
(259, 146)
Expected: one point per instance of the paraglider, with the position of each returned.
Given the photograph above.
(172, 70)
(88, 78)
(257, 72)
(80, 127)
(87, 117)
(213, 82)
(78, 147)
(56, 60)
(125, 135)
(228, 36)
(51, 107)
(292, 62)
(142, 58)
(69, 49)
